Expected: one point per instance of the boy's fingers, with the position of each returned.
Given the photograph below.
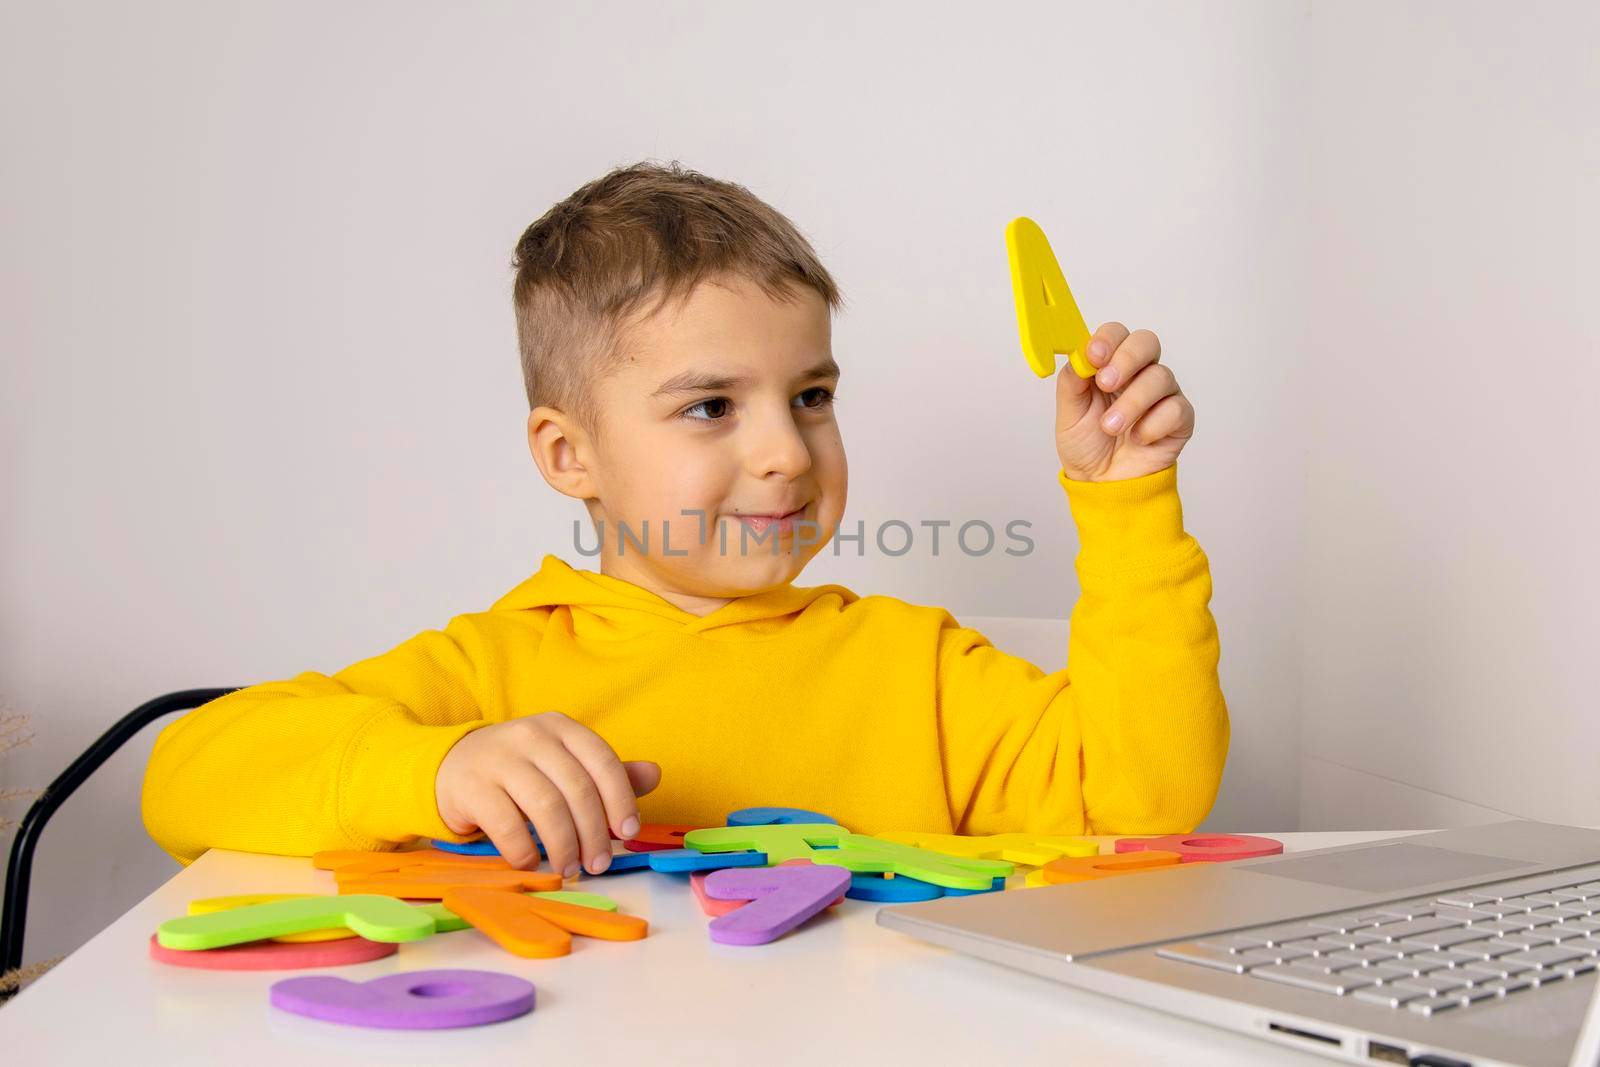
(506, 827)
(1074, 396)
(1141, 394)
(584, 805)
(1172, 416)
(1105, 341)
(608, 775)
(644, 775)
(542, 803)
(1137, 351)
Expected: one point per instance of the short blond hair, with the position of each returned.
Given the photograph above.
(589, 263)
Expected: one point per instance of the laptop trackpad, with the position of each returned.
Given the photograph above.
(1386, 868)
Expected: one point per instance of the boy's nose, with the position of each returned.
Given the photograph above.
(778, 448)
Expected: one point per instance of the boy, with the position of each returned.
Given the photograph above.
(675, 339)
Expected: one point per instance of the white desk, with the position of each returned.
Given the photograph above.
(839, 989)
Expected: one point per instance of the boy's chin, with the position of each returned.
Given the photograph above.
(757, 570)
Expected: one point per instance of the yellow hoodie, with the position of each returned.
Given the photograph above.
(884, 714)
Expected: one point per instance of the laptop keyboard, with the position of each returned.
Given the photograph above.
(1426, 955)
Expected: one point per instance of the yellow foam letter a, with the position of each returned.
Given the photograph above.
(1046, 312)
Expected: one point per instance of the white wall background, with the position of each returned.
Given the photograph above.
(1450, 591)
(262, 412)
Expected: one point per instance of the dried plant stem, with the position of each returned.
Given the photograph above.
(12, 981)
(13, 735)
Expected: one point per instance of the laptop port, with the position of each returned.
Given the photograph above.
(1377, 1050)
(1309, 1035)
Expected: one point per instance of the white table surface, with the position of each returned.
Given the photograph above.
(839, 989)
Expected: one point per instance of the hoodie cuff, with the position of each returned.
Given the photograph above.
(1128, 525)
(386, 791)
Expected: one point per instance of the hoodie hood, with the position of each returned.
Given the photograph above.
(604, 606)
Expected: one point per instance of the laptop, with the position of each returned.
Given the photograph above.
(1472, 946)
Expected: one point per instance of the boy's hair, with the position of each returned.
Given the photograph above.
(590, 261)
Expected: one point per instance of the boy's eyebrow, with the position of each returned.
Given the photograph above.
(695, 381)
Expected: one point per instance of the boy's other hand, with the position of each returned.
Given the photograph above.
(553, 771)
(1130, 419)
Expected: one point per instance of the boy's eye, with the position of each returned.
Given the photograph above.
(713, 403)
(825, 398)
(715, 408)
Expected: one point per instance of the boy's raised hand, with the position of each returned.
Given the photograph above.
(1130, 419)
(554, 771)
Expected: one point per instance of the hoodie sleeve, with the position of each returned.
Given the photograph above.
(320, 761)
(1130, 737)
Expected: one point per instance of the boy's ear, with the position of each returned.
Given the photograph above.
(561, 450)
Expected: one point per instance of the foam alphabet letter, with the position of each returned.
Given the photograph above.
(896, 890)
(345, 863)
(1087, 868)
(506, 920)
(211, 904)
(781, 898)
(376, 918)
(535, 927)
(624, 861)
(446, 920)
(481, 847)
(863, 854)
(776, 817)
(1047, 314)
(657, 837)
(780, 841)
(275, 955)
(485, 847)
(1206, 848)
(427, 883)
(680, 860)
(1033, 850)
(411, 1000)
(697, 882)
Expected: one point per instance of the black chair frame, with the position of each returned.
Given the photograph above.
(19, 868)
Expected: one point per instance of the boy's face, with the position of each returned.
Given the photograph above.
(722, 406)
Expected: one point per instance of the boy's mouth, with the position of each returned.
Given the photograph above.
(784, 523)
